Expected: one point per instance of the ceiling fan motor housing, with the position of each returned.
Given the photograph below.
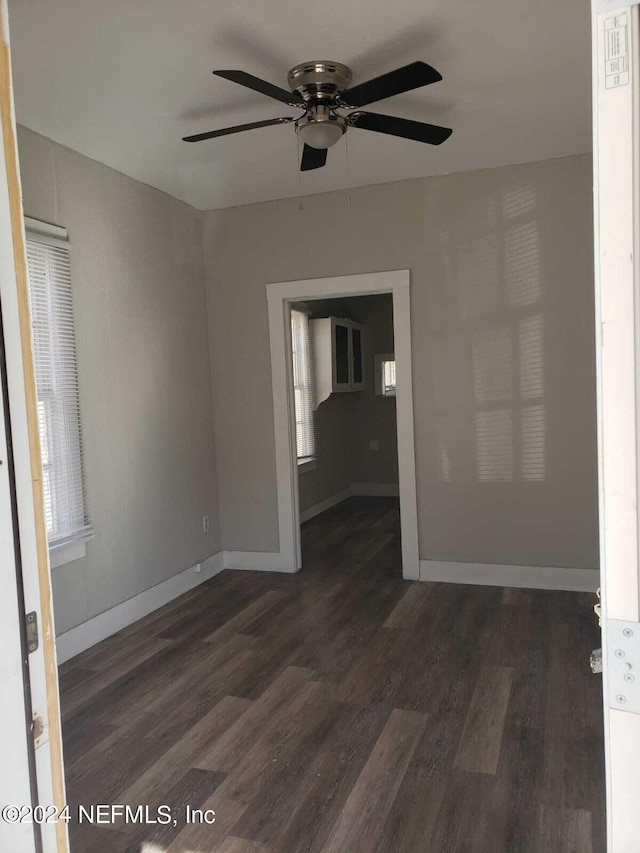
(319, 84)
(320, 81)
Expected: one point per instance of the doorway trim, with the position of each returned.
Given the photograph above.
(280, 295)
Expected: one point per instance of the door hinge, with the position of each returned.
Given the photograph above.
(623, 665)
(31, 621)
(37, 727)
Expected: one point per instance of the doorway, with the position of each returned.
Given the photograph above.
(281, 296)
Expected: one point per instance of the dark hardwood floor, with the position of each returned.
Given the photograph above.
(343, 710)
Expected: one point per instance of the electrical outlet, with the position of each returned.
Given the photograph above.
(205, 523)
(198, 567)
(374, 444)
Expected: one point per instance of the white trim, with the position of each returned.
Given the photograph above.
(45, 229)
(493, 574)
(60, 555)
(378, 490)
(256, 561)
(280, 295)
(616, 181)
(327, 503)
(82, 637)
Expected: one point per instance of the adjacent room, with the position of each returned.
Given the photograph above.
(317, 414)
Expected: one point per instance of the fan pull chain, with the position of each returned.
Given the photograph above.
(346, 142)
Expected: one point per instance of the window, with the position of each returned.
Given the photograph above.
(385, 366)
(54, 353)
(303, 386)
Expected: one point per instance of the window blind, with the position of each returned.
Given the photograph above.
(303, 385)
(54, 352)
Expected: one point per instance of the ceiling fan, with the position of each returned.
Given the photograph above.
(322, 90)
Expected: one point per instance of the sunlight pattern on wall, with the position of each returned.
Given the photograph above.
(494, 445)
(489, 371)
(478, 277)
(522, 265)
(533, 424)
(531, 357)
(492, 364)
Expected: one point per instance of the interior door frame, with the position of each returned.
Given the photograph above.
(280, 295)
(616, 163)
(27, 485)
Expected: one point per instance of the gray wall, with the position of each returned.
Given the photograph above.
(145, 383)
(503, 354)
(374, 417)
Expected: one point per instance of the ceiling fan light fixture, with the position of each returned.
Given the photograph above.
(322, 134)
(320, 127)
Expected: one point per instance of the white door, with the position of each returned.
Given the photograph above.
(15, 781)
(616, 178)
(22, 529)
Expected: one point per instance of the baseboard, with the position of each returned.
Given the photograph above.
(376, 490)
(257, 561)
(72, 642)
(530, 577)
(324, 505)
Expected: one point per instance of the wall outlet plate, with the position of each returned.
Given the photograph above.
(374, 444)
(623, 661)
(205, 523)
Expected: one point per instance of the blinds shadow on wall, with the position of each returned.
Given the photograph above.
(54, 353)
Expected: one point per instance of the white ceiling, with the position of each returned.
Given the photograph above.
(123, 80)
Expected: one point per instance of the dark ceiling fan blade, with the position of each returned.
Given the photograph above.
(433, 134)
(313, 158)
(224, 131)
(394, 83)
(258, 85)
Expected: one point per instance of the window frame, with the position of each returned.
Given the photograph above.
(307, 395)
(72, 546)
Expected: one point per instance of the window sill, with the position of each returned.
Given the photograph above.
(67, 552)
(305, 467)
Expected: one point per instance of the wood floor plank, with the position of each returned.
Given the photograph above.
(185, 752)
(166, 685)
(372, 797)
(315, 803)
(193, 789)
(479, 748)
(235, 742)
(405, 611)
(200, 836)
(246, 616)
(241, 845)
(80, 693)
(120, 759)
(279, 737)
(568, 830)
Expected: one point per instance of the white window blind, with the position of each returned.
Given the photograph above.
(388, 378)
(303, 386)
(54, 351)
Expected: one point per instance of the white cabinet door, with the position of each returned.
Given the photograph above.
(356, 340)
(340, 355)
